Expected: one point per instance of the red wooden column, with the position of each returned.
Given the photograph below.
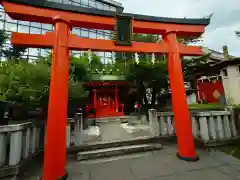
(95, 99)
(116, 100)
(186, 148)
(55, 148)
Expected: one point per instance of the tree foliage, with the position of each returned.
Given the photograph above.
(195, 67)
(28, 83)
(145, 76)
(11, 52)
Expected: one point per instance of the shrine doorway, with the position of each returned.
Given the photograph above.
(105, 98)
(105, 101)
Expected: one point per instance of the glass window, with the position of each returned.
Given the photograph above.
(108, 32)
(100, 5)
(8, 19)
(1, 24)
(35, 30)
(84, 32)
(97, 5)
(112, 8)
(47, 26)
(76, 31)
(59, 1)
(33, 51)
(23, 29)
(100, 35)
(92, 3)
(2, 15)
(106, 7)
(101, 54)
(107, 37)
(44, 31)
(108, 54)
(92, 34)
(84, 2)
(76, 53)
(44, 52)
(66, 2)
(11, 27)
(35, 24)
(24, 23)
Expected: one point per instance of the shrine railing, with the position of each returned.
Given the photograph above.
(75, 134)
(211, 128)
(20, 143)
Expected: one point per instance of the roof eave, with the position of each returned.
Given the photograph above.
(97, 12)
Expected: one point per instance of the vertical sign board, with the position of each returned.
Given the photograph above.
(123, 30)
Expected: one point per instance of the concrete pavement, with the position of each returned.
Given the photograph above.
(159, 165)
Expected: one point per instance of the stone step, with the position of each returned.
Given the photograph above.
(112, 144)
(110, 119)
(116, 151)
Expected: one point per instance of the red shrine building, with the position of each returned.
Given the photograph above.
(107, 96)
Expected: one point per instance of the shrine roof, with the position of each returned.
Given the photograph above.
(97, 12)
(229, 62)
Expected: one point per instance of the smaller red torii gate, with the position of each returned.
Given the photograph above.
(63, 17)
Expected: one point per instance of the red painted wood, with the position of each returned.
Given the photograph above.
(77, 43)
(43, 15)
(186, 148)
(55, 160)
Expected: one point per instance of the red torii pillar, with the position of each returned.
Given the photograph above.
(183, 127)
(55, 149)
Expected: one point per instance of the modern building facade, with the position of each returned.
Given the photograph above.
(10, 25)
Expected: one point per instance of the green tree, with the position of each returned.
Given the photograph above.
(195, 67)
(146, 75)
(12, 52)
(28, 83)
(3, 38)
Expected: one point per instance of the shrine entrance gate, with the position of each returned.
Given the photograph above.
(63, 17)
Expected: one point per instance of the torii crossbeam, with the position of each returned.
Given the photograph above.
(63, 17)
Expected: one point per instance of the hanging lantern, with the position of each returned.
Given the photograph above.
(136, 58)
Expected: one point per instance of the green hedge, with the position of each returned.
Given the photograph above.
(212, 106)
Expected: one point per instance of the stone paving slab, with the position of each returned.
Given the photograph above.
(113, 131)
(160, 165)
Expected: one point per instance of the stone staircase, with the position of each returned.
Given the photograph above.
(116, 141)
(103, 150)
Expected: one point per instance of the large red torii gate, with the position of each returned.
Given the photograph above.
(63, 17)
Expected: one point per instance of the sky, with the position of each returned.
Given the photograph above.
(224, 22)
